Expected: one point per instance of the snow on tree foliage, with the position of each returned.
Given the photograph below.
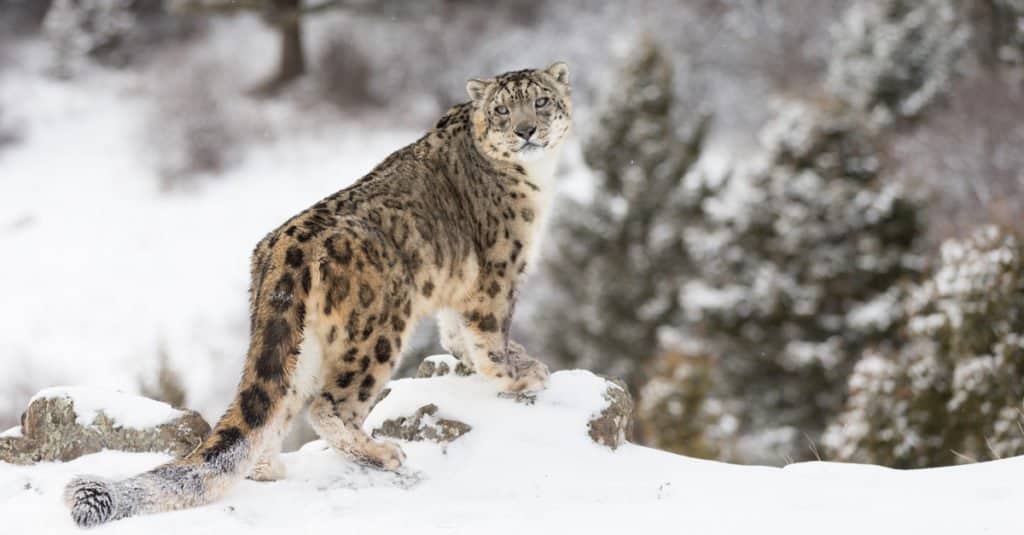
(955, 392)
(892, 58)
(621, 254)
(804, 273)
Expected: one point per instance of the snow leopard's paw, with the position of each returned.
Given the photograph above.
(527, 373)
(268, 468)
(381, 454)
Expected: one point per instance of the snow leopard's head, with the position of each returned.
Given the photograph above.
(521, 115)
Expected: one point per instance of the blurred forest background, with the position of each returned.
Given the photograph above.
(791, 226)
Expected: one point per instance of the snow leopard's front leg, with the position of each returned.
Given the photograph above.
(450, 328)
(484, 328)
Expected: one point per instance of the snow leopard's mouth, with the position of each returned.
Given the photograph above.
(530, 146)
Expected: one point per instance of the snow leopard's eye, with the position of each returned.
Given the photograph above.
(541, 102)
(501, 110)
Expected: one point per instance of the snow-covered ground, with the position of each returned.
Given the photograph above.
(533, 469)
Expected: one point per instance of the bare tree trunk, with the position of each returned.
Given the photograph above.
(291, 59)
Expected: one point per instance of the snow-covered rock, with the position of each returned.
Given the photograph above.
(422, 425)
(613, 425)
(608, 422)
(63, 423)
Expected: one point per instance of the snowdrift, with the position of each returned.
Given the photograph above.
(531, 465)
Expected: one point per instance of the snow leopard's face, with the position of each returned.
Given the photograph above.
(521, 115)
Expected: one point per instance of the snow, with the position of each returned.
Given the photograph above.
(880, 312)
(531, 468)
(126, 410)
(891, 61)
(698, 295)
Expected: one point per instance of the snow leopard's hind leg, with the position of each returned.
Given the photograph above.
(268, 465)
(367, 317)
(352, 387)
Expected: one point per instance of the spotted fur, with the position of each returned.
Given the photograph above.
(444, 225)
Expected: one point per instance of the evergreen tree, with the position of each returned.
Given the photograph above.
(677, 410)
(621, 254)
(802, 274)
(892, 58)
(955, 392)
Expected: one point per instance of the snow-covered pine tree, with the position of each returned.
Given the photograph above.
(955, 392)
(892, 58)
(621, 254)
(802, 275)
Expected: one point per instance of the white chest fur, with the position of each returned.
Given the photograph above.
(542, 173)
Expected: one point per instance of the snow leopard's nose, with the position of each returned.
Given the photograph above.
(525, 131)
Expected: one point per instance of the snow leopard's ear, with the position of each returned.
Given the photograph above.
(559, 70)
(477, 89)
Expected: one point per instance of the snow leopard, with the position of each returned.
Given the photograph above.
(445, 226)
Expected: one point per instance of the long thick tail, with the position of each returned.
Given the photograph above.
(265, 401)
(203, 476)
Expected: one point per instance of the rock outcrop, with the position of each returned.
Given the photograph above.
(64, 423)
(422, 425)
(613, 425)
(444, 403)
(434, 414)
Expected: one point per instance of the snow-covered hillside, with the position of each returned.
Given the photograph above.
(533, 469)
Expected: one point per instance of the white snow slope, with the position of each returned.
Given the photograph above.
(533, 469)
